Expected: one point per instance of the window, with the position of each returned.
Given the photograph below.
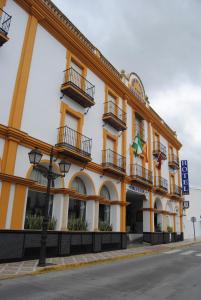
(105, 192)
(77, 208)
(104, 210)
(79, 186)
(139, 125)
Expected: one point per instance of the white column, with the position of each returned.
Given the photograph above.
(65, 213)
(58, 209)
(115, 217)
(90, 214)
(96, 222)
(146, 221)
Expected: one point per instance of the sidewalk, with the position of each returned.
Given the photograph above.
(10, 270)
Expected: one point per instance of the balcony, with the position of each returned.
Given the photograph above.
(141, 175)
(74, 144)
(161, 184)
(173, 162)
(159, 148)
(78, 88)
(114, 116)
(175, 191)
(114, 163)
(5, 21)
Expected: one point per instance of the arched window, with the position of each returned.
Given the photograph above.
(105, 192)
(104, 210)
(79, 186)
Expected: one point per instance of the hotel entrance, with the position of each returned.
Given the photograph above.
(134, 213)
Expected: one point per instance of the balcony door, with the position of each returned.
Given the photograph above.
(76, 75)
(71, 127)
(111, 154)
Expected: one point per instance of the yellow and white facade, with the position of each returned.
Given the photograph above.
(91, 115)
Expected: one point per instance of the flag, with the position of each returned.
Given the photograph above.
(137, 145)
(159, 160)
(145, 151)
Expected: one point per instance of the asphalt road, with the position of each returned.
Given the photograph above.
(175, 275)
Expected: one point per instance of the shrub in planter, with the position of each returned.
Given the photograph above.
(77, 225)
(35, 222)
(169, 229)
(159, 227)
(104, 226)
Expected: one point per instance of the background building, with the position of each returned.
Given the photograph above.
(194, 210)
(91, 114)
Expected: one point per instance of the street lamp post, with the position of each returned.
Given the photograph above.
(35, 156)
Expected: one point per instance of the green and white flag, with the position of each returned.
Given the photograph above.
(137, 145)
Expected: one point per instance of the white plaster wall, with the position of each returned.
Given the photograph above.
(115, 217)
(41, 116)
(10, 57)
(93, 124)
(22, 163)
(164, 166)
(10, 207)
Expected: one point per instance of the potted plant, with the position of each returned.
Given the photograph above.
(159, 227)
(77, 224)
(104, 226)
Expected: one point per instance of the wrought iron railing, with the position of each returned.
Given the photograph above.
(114, 160)
(79, 81)
(137, 171)
(74, 140)
(114, 109)
(5, 20)
(159, 147)
(175, 190)
(173, 158)
(161, 182)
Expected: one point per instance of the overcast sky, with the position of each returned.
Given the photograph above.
(160, 40)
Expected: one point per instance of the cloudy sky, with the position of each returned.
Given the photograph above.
(160, 40)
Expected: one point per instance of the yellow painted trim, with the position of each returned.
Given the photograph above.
(19, 94)
(2, 3)
(18, 207)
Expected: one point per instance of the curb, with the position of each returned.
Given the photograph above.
(98, 261)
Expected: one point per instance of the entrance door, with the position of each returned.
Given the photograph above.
(134, 212)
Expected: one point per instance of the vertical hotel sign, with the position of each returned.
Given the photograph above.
(184, 176)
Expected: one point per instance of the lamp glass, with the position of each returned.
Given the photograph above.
(64, 166)
(35, 156)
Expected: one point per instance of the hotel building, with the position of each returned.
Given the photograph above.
(58, 90)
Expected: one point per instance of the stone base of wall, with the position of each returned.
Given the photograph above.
(156, 238)
(25, 244)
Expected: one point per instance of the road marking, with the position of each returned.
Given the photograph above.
(172, 251)
(187, 252)
(199, 254)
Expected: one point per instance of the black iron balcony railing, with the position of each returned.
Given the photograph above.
(114, 160)
(159, 147)
(5, 20)
(74, 140)
(161, 183)
(114, 109)
(139, 172)
(175, 190)
(173, 160)
(79, 82)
